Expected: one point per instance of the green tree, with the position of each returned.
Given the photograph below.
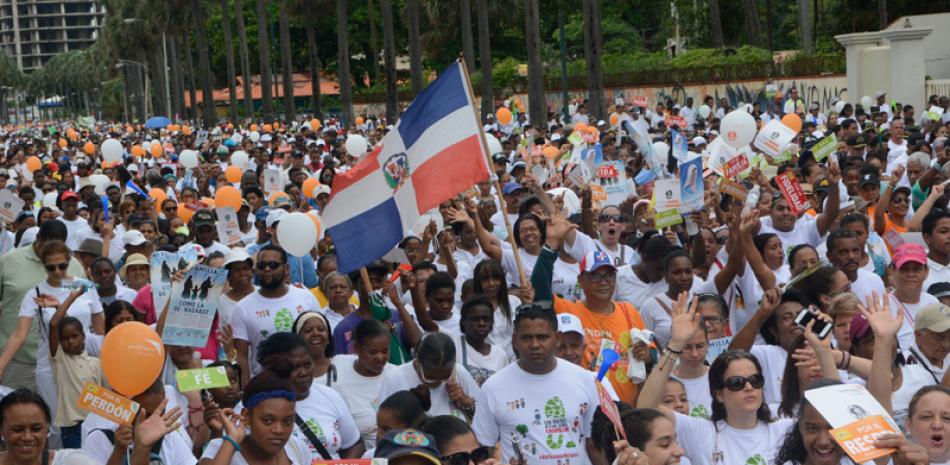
(263, 50)
(286, 61)
(229, 56)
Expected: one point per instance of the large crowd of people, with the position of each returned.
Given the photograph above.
(515, 310)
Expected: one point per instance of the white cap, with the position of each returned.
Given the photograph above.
(321, 189)
(555, 137)
(133, 237)
(601, 123)
(879, 94)
(274, 216)
(29, 236)
(698, 140)
(568, 322)
(236, 255)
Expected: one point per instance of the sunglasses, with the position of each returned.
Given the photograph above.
(476, 456)
(268, 265)
(608, 218)
(60, 267)
(737, 383)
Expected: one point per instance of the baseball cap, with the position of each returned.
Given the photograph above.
(859, 327)
(510, 187)
(133, 237)
(698, 140)
(402, 443)
(274, 216)
(879, 94)
(857, 141)
(236, 255)
(199, 249)
(869, 178)
(203, 218)
(281, 201)
(595, 260)
(909, 253)
(935, 317)
(568, 322)
(938, 290)
(321, 189)
(69, 195)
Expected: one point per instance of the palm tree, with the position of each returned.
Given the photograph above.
(175, 86)
(286, 63)
(468, 46)
(716, 21)
(389, 61)
(593, 54)
(247, 91)
(415, 47)
(532, 32)
(314, 66)
(343, 67)
(263, 49)
(484, 51)
(882, 14)
(373, 40)
(204, 62)
(190, 70)
(751, 21)
(804, 21)
(229, 59)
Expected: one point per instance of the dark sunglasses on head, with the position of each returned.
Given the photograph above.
(271, 265)
(476, 456)
(737, 383)
(60, 267)
(607, 218)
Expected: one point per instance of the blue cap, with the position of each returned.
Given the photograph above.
(594, 260)
(510, 187)
(261, 214)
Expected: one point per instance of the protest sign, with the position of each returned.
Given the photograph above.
(666, 194)
(934, 113)
(193, 303)
(792, 191)
(716, 347)
(680, 149)
(581, 174)
(734, 189)
(163, 266)
(677, 121)
(107, 404)
(202, 378)
(575, 138)
(196, 205)
(691, 185)
(735, 165)
(857, 439)
(856, 416)
(10, 205)
(667, 218)
(610, 410)
(826, 146)
(611, 177)
(229, 232)
(272, 181)
(773, 137)
(75, 284)
(640, 101)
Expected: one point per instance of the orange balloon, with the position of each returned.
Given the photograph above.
(614, 119)
(253, 127)
(580, 127)
(233, 174)
(230, 126)
(89, 148)
(158, 195)
(156, 150)
(503, 115)
(550, 151)
(63, 143)
(209, 201)
(138, 151)
(359, 120)
(793, 121)
(314, 124)
(228, 196)
(33, 163)
(308, 186)
(312, 214)
(128, 128)
(72, 134)
(186, 130)
(185, 213)
(132, 358)
(170, 127)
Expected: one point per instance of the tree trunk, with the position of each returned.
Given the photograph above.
(468, 45)
(804, 23)
(263, 50)
(373, 41)
(484, 51)
(175, 87)
(204, 61)
(415, 47)
(156, 68)
(190, 70)
(246, 86)
(389, 61)
(537, 114)
(716, 21)
(593, 53)
(751, 21)
(882, 14)
(343, 55)
(229, 59)
(314, 59)
(286, 61)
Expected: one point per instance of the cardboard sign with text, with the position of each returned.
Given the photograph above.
(691, 185)
(857, 439)
(202, 378)
(229, 232)
(677, 121)
(735, 165)
(107, 404)
(196, 205)
(194, 302)
(666, 194)
(610, 410)
(792, 191)
(640, 101)
(272, 181)
(611, 177)
(10, 205)
(772, 137)
(667, 218)
(826, 146)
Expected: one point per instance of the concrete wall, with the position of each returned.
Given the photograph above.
(936, 48)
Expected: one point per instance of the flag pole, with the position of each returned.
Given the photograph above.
(498, 192)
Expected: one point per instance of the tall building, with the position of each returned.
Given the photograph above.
(33, 31)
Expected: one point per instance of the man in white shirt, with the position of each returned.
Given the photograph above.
(815, 116)
(931, 340)
(548, 418)
(793, 230)
(881, 97)
(581, 115)
(844, 252)
(896, 145)
(69, 203)
(205, 232)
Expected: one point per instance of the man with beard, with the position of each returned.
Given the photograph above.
(270, 309)
(844, 252)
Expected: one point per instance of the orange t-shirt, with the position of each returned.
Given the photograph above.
(607, 331)
(892, 233)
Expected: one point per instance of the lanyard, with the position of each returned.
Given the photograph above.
(904, 309)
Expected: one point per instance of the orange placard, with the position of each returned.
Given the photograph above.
(107, 404)
(857, 439)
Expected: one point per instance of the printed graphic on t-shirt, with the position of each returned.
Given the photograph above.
(699, 411)
(755, 460)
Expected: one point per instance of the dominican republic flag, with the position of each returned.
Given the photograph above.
(435, 151)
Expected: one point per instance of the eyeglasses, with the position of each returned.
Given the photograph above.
(60, 267)
(268, 265)
(737, 383)
(476, 456)
(602, 277)
(609, 218)
(900, 199)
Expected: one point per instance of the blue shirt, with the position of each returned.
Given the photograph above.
(303, 269)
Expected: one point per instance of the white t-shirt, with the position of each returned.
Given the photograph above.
(563, 283)
(697, 393)
(226, 306)
(914, 356)
(905, 336)
(630, 288)
(865, 284)
(82, 308)
(116, 246)
(324, 411)
(913, 378)
(121, 293)
(72, 457)
(937, 274)
(214, 247)
(503, 327)
(805, 231)
(361, 394)
(73, 230)
(295, 449)
(549, 425)
(464, 256)
(772, 360)
(480, 366)
(701, 441)
(404, 377)
(583, 244)
(255, 317)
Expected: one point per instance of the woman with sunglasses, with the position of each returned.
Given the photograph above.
(741, 426)
(611, 227)
(42, 302)
(890, 214)
(457, 442)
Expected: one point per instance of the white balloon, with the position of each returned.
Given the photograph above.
(188, 159)
(866, 102)
(239, 159)
(99, 183)
(737, 129)
(237, 138)
(254, 136)
(49, 200)
(111, 150)
(704, 111)
(297, 234)
(356, 145)
(494, 145)
(661, 150)
(840, 106)
(747, 108)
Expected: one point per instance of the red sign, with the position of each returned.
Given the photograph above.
(736, 165)
(607, 171)
(640, 101)
(196, 205)
(677, 121)
(792, 191)
(609, 408)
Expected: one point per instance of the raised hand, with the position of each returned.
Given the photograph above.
(878, 314)
(770, 300)
(685, 321)
(834, 173)
(149, 430)
(811, 338)
(233, 426)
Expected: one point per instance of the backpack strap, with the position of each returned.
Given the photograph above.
(314, 441)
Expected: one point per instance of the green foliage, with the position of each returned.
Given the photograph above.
(708, 57)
